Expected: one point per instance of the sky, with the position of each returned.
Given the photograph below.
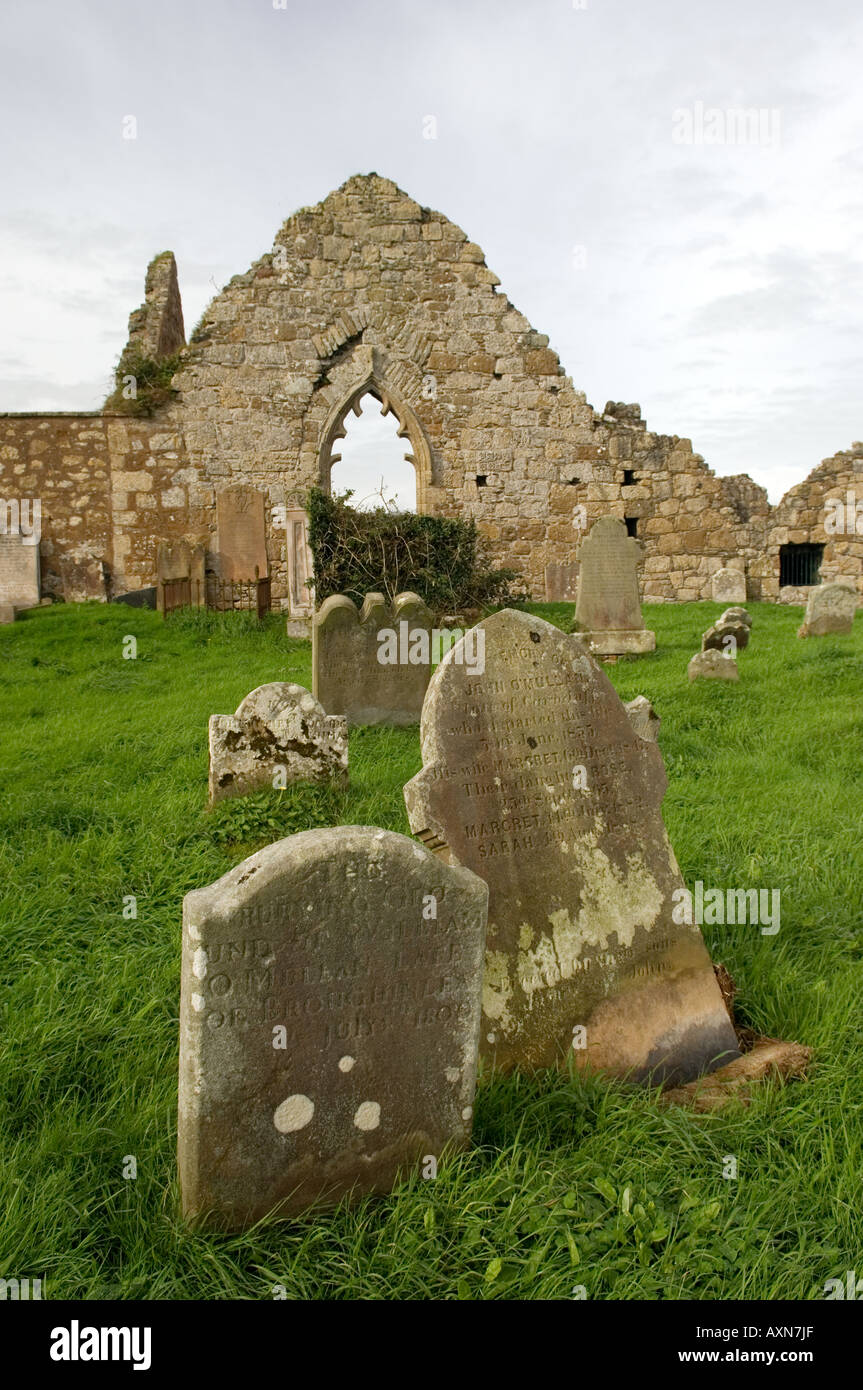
(708, 268)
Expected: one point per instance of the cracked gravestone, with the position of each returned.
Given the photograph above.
(534, 777)
(329, 1021)
(278, 736)
(372, 665)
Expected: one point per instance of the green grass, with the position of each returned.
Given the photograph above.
(570, 1181)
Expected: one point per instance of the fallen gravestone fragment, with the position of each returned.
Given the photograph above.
(279, 735)
(713, 665)
(643, 717)
(373, 665)
(329, 1020)
(830, 608)
(608, 611)
(534, 777)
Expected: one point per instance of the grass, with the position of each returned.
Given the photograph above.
(571, 1182)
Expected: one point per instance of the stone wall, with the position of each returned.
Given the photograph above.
(369, 291)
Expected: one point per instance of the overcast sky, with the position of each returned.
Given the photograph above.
(719, 284)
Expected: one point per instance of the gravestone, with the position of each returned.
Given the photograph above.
(329, 1019)
(726, 635)
(19, 570)
(608, 611)
(830, 608)
(279, 735)
(534, 777)
(643, 717)
(713, 665)
(349, 677)
(7, 614)
(735, 615)
(83, 579)
(242, 541)
(177, 561)
(561, 583)
(300, 565)
(728, 586)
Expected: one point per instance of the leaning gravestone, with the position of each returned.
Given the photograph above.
(608, 611)
(278, 736)
(830, 608)
(372, 665)
(534, 777)
(19, 570)
(329, 1020)
(728, 586)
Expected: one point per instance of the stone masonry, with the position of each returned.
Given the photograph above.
(370, 291)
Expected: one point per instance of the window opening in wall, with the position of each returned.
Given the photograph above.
(800, 564)
(628, 477)
(371, 461)
(481, 479)
(631, 525)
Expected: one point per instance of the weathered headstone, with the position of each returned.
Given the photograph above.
(643, 717)
(278, 736)
(608, 611)
(242, 542)
(735, 615)
(830, 608)
(728, 586)
(182, 565)
(561, 583)
(713, 665)
(329, 1021)
(726, 635)
(84, 578)
(534, 777)
(359, 672)
(19, 570)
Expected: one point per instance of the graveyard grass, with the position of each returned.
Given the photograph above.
(571, 1181)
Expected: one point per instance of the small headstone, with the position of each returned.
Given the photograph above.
(608, 611)
(728, 586)
(830, 608)
(534, 777)
(372, 665)
(7, 614)
(278, 736)
(19, 569)
(727, 635)
(242, 543)
(329, 1019)
(84, 579)
(561, 583)
(735, 615)
(713, 665)
(643, 718)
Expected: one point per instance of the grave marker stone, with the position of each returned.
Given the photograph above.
(329, 1019)
(830, 608)
(279, 735)
(19, 570)
(608, 611)
(728, 586)
(713, 665)
(534, 777)
(241, 534)
(350, 679)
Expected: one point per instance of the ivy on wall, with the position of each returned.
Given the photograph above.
(445, 561)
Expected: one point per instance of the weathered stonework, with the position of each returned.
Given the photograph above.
(279, 735)
(370, 291)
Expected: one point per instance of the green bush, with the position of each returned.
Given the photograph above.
(152, 382)
(443, 560)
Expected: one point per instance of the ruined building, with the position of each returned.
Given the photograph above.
(370, 292)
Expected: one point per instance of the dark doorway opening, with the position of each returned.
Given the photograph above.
(631, 525)
(800, 564)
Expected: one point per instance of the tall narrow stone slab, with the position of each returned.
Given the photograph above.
(534, 777)
(608, 611)
(242, 534)
(300, 565)
(347, 646)
(329, 1020)
(19, 570)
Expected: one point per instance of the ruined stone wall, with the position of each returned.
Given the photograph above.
(369, 291)
(801, 516)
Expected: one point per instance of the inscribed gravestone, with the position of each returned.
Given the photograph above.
(279, 735)
(347, 644)
(534, 777)
(367, 952)
(242, 535)
(829, 608)
(608, 611)
(728, 586)
(19, 570)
